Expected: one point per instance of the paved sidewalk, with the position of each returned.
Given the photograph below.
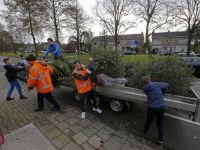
(65, 129)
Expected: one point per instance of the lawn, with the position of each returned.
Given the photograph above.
(84, 57)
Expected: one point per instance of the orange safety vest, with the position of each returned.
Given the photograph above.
(82, 86)
(40, 77)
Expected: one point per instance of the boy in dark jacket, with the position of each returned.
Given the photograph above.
(11, 77)
(155, 92)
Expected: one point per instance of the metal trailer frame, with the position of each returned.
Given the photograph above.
(185, 105)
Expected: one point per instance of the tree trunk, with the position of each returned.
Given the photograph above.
(189, 43)
(32, 34)
(147, 40)
(55, 23)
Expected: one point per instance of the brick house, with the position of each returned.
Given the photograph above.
(170, 41)
(124, 42)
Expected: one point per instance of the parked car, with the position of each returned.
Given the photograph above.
(192, 54)
(198, 55)
(195, 63)
(129, 53)
(167, 53)
(24, 73)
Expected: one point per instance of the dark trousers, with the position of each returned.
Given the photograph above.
(49, 97)
(84, 96)
(159, 113)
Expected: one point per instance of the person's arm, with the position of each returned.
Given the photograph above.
(80, 77)
(47, 52)
(11, 68)
(57, 48)
(33, 77)
(163, 86)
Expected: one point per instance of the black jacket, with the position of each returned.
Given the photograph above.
(11, 72)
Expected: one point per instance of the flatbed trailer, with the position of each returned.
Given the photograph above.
(124, 96)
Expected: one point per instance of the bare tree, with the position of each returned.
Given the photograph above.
(115, 14)
(78, 22)
(104, 34)
(57, 16)
(155, 14)
(30, 16)
(188, 17)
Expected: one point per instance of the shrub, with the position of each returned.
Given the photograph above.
(172, 70)
(108, 62)
(61, 68)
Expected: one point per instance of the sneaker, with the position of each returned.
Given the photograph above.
(9, 99)
(160, 144)
(97, 110)
(55, 109)
(83, 115)
(23, 97)
(38, 109)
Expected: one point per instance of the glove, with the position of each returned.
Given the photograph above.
(51, 55)
(91, 68)
(30, 89)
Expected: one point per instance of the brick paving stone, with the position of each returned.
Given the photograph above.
(70, 113)
(45, 128)
(51, 117)
(89, 131)
(97, 125)
(53, 134)
(135, 142)
(95, 141)
(72, 120)
(61, 141)
(112, 144)
(68, 132)
(85, 122)
(145, 147)
(72, 146)
(87, 146)
(61, 118)
(54, 121)
(109, 129)
(129, 146)
(62, 125)
(80, 138)
(104, 134)
(76, 129)
(120, 137)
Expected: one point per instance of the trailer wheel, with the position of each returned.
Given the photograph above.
(99, 100)
(76, 95)
(117, 105)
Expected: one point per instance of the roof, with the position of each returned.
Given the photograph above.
(171, 34)
(122, 37)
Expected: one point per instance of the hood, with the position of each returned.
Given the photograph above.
(149, 87)
(43, 67)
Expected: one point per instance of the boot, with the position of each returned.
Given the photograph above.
(23, 97)
(9, 99)
(38, 109)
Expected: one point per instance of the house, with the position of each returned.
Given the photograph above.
(170, 41)
(125, 42)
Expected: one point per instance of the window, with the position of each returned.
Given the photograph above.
(128, 41)
(124, 41)
(95, 43)
(156, 41)
(118, 42)
(136, 42)
(196, 60)
(183, 41)
(172, 40)
(110, 43)
(166, 40)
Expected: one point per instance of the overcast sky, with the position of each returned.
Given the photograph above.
(87, 5)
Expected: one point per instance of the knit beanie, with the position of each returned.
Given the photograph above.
(31, 57)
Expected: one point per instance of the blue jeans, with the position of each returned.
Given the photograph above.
(159, 113)
(12, 86)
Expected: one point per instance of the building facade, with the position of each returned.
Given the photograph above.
(125, 42)
(170, 41)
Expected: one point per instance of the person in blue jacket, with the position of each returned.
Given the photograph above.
(155, 92)
(54, 48)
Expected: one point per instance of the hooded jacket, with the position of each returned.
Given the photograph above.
(11, 72)
(155, 92)
(54, 49)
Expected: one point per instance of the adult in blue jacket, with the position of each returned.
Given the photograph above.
(54, 48)
(155, 92)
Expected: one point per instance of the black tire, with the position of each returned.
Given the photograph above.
(99, 100)
(76, 95)
(117, 105)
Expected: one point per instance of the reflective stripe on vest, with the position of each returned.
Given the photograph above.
(83, 84)
(41, 78)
